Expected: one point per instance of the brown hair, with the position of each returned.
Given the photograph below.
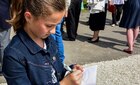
(37, 8)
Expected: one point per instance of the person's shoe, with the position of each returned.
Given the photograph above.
(127, 51)
(90, 38)
(113, 25)
(94, 41)
(71, 39)
(65, 38)
(117, 23)
(68, 39)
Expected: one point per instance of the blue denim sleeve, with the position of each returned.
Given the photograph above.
(14, 72)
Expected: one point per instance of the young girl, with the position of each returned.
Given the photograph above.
(31, 57)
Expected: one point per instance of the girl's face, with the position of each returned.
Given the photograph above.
(42, 27)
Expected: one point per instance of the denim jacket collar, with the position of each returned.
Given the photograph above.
(32, 46)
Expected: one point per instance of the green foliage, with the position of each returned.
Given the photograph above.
(84, 1)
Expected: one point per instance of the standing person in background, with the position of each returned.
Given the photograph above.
(4, 27)
(97, 21)
(72, 19)
(131, 21)
(31, 56)
(117, 14)
(58, 35)
(59, 41)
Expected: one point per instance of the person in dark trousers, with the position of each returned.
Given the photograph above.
(4, 27)
(72, 19)
(116, 16)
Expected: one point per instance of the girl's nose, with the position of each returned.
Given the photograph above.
(53, 31)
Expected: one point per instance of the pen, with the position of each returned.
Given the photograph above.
(68, 68)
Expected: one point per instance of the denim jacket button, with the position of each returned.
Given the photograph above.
(54, 58)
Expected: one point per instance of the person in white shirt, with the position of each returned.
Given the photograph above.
(97, 18)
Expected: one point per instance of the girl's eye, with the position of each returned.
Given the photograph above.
(50, 26)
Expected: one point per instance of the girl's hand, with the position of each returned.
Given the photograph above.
(73, 78)
(78, 67)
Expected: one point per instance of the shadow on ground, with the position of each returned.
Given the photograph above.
(104, 42)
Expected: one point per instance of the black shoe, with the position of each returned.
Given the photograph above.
(127, 51)
(68, 39)
(71, 39)
(65, 38)
(90, 38)
(94, 41)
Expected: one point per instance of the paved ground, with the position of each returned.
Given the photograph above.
(112, 42)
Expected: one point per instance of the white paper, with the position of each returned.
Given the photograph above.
(89, 76)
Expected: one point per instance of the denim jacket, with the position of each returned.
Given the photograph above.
(25, 63)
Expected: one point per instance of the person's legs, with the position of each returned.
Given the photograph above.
(130, 39)
(96, 34)
(119, 11)
(136, 32)
(114, 19)
(72, 19)
(77, 14)
(95, 37)
(70, 24)
(4, 41)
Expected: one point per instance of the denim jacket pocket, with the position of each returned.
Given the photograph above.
(41, 73)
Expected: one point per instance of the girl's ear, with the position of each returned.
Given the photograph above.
(28, 16)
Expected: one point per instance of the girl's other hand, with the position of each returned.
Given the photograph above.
(73, 78)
